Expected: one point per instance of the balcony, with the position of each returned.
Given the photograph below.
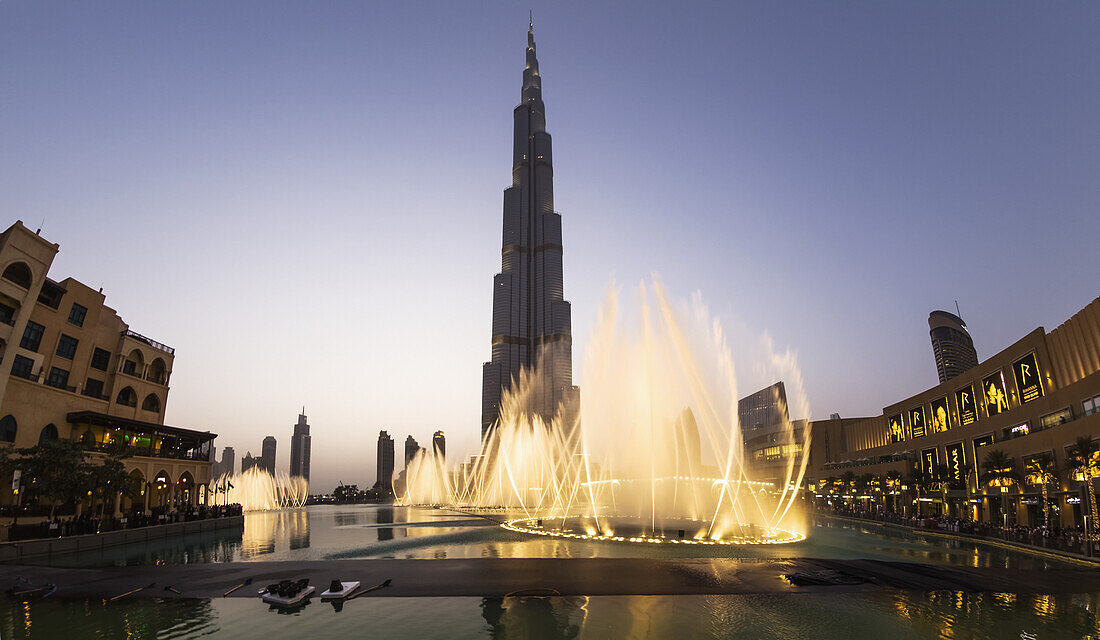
(149, 341)
(58, 384)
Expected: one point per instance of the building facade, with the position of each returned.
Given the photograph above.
(411, 447)
(532, 325)
(1030, 402)
(439, 445)
(226, 465)
(73, 369)
(384, 459)
(299, 448)
(267, 454)
(951, 344)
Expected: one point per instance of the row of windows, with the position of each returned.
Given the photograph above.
(9, 427)
(23, 367)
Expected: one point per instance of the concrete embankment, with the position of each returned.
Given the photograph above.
(46, 548)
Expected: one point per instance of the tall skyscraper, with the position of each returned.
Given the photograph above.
(267, 454)
(951, 344)
(384, 483)
(439, 444)
(763, 411)
(411, 447)
(531, 319)
(249, 461)
(299, 448)
(226, 464)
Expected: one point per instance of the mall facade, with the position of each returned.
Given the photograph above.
(73, 369)
(1031, 402)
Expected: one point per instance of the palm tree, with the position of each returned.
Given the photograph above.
(849, 480)
(1038, 472)
(893, 483)
(998, 471)
(1083, 461)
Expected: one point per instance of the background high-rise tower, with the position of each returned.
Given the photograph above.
(267, 454)
(951, 344)
(531, 319)
(384, 482)
(299, 448)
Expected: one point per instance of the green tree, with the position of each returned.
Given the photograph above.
(1083, 461)
(107, 477)
(998, 470)
(1039, 471)
(55, 470)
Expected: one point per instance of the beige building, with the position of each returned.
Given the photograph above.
(71, 368)
(1032, 400)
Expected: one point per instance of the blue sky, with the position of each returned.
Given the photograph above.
(304, 197)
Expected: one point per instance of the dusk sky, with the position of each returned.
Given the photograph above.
(304, 198)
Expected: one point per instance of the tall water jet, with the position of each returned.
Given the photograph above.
(657, 454)
(259, 490)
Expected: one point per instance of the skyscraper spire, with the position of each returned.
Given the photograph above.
(531, 319)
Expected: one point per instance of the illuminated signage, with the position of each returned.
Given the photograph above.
(996, 398)
(938, 417)
(956, 461)
(928, 460)
(1020, 429)
(916, 421)
(983, 441)
(897, 431)
(968, 410)
(1028, 381)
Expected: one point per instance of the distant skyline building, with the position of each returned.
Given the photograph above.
(384, 482)
(267, 455)
(225, 465)
(531, 319)
(764, 410)
(249, 461)
(951, 344)
(299, 448)
(439, 444)
(411, 446)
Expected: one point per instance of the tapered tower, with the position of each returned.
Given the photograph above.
(531, 318)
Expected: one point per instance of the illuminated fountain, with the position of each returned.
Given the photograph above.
(656, 455)
(258, 490)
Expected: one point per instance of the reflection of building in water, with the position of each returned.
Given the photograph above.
(951, 344)
(535, 617)
(299, 529)
(267, 532)
(385, 516)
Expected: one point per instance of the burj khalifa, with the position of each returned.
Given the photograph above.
(531, 318)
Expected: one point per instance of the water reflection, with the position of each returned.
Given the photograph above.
(884, 614)
(533, 617)
(263, 529)
(385, 516)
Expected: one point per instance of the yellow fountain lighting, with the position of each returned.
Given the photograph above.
(770, 536)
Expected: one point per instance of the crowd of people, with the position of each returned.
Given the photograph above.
(86, 524)
(1070, 539)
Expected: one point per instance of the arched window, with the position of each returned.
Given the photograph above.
(151, 403)
(134, 363)
(19, 273)
(157, 371)
(49, 432)
(88, 438)
(8, 428)
(127, 397)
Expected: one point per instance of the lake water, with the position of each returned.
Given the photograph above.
(369, 531)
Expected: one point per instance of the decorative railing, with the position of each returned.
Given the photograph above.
(149, 341)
